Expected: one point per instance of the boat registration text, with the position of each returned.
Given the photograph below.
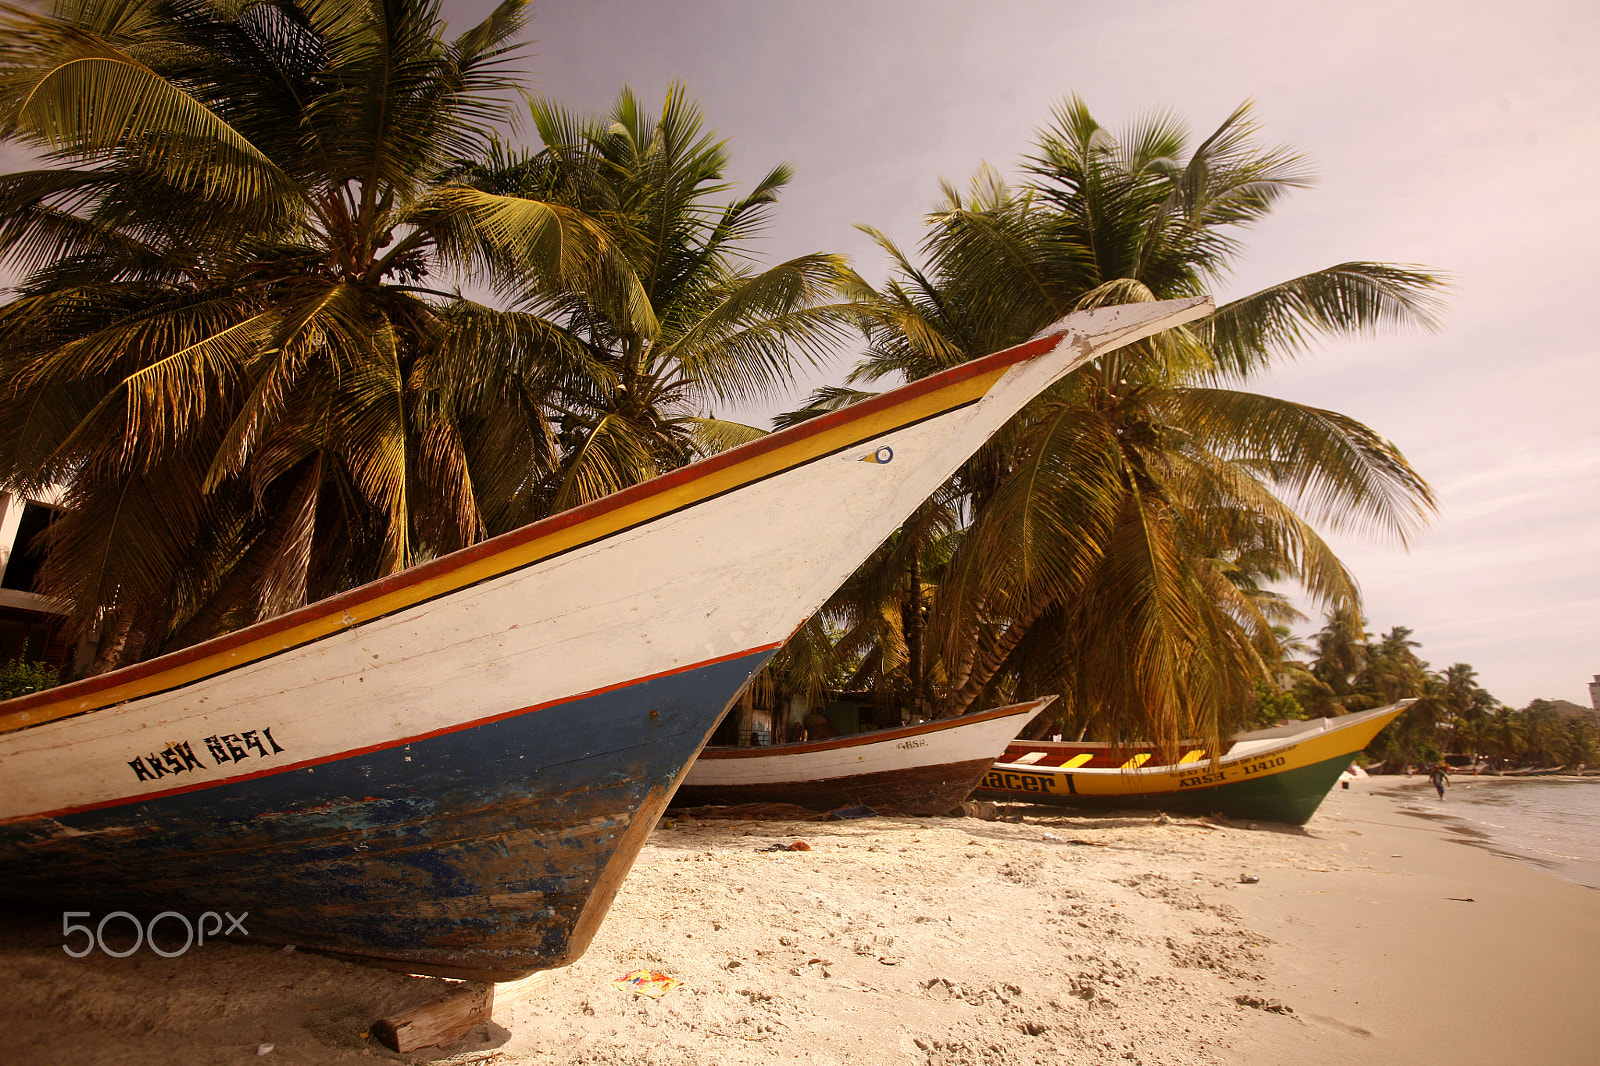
(179, 756)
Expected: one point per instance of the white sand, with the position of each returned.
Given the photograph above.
(938, 942)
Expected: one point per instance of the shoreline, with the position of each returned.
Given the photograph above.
(1430, 948)
(940, 942)
(1466, 820)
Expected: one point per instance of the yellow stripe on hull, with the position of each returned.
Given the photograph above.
(525, 553)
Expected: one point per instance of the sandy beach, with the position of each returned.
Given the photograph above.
(1369, 936)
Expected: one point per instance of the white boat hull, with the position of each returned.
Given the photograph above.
(928, 768)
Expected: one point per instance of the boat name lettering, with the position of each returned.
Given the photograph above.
(179, 757)
(912, 744)
(1265, 765)
(1203, 779)
(1014, 782)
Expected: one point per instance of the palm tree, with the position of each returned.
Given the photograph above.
(1112, 521)
(882, 612)
(637, 403)
(1467, 701)
(1507, 736)
(226, 343)
(1342, 648)
(1394, 672)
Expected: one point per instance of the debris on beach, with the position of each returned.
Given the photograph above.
(988, 811)
(646, 983)
(1249, 879)
(1245, 999)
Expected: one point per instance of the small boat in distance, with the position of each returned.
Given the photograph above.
(927, 768)
(451, 770)
(1280, 774)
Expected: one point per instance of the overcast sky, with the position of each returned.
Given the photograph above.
(1462, 136)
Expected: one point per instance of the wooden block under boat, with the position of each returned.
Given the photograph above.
(440, 1022)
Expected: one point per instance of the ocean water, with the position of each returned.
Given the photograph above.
(1550, 823)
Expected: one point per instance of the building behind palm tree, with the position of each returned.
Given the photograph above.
(30, 624)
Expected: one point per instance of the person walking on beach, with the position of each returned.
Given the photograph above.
(1440, 779)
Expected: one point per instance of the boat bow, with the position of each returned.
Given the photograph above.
(452, 769)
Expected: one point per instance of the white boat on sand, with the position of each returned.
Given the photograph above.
(927, 768)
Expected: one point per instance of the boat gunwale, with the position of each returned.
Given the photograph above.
(77, 697)
(1288, 730)
(851, 740)
(1342, 723)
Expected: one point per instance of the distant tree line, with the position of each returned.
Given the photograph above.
(1348, 670)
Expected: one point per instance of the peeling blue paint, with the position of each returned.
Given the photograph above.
(485, 843)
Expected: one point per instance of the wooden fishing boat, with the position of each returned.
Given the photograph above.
(1272, 775)
(928, 768)
(451, 770)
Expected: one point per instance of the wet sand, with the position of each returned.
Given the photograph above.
(1550, 822)
(1389, 963)
(938, 942)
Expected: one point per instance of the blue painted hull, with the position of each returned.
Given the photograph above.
(486, 852)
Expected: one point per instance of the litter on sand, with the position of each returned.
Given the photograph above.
(646, 983)
(798, 845)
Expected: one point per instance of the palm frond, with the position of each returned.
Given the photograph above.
(713, 435)
(1343, 472)
(81, 98)
(823, 400)
(1351, 298)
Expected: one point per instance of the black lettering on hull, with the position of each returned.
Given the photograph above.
(179, 757)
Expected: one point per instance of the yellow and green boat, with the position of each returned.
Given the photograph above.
(1280, 774)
